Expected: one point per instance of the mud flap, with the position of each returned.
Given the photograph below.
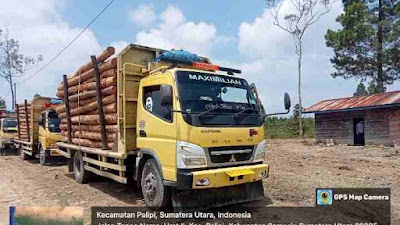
(217, 197)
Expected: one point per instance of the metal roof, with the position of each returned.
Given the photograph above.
(380, 100)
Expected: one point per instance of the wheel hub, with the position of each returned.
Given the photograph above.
(150, 185)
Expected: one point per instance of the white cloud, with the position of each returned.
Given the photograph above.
(144, 15)
(175, 32)
(271, 63)
(38, 26)
(119, 46)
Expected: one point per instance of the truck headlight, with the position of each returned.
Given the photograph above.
(260, 151)
(190, 155)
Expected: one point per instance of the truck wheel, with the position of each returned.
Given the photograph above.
(42, 156)
(155, 194)
(81, 175)
(23, 155)
(2, 149)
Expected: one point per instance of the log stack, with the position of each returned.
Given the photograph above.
(23, 115)
(82, 97)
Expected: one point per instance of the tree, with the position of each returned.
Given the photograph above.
(361, 90)
(306, 13)
(368, 45)
(2, 103)
(12, 63)
(372, 89)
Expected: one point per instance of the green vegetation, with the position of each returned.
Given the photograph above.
(29, 220)
(367, 45)
(281, 127)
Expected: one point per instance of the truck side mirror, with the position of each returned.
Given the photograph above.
(287, 101)
(166, 95)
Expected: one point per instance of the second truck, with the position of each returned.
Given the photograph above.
(185, 131)
(38, 130)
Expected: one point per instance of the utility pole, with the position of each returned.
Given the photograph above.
(15, 96)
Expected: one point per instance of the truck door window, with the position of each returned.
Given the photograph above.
(42, 121)
(152, 103)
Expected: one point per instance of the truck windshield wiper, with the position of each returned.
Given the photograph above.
(243, 111)
(206, 112)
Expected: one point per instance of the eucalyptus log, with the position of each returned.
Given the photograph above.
(85, 110)
(87, 142)
(90, 135)
(92, 119)
(109, 51)
(94, 128)
(110, 65)
(89, 94)
(86, 105)
(105, 74)
(104, 83)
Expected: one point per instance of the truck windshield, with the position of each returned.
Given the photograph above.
(54, 121)
(10, 123)
(209, 99)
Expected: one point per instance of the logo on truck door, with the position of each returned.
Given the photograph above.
(149, 104)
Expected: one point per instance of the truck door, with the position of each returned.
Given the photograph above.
(254, 90)
(157, 127)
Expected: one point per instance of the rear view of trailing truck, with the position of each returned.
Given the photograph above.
(38, 129)
(185, 130)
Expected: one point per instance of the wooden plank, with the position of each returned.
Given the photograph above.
(67, 109)
(131, 99)
(106, 174)
(104, 164)
(95, 151)
(22, 142)
(27, 119)
(63, 153)
(27, 152)
(99, 103)
(18, 122)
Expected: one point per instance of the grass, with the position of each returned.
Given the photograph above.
(30, 220)
(284, 128)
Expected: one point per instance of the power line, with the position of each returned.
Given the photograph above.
(65, 48)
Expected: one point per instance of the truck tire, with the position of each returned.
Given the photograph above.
(42, 156)
(155, 194)
(82, 176)
(2, 149)
(23, 155)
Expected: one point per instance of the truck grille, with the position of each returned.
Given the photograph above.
(231, 153)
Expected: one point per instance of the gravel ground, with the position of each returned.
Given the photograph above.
(297, 168)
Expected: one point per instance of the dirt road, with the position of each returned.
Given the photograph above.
(297, 168)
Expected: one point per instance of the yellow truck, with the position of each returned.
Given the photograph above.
(189, 132)
(38, 130)
(8, 131)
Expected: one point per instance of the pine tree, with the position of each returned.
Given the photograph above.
(368, 45)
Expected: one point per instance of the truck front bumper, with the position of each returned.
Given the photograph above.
(221, 177)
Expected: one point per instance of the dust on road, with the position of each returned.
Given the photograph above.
(297, 168)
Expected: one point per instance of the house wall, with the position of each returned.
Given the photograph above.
(378, 128)
(394, 120)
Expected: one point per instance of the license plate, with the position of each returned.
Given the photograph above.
(242, 172)
(54, 153)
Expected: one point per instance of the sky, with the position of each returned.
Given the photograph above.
(237, 34)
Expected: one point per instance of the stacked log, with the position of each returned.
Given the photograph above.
(24, 114)
(83, 105)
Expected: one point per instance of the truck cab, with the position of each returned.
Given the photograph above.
(49, 134)
(206, 131)
(8, 131)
